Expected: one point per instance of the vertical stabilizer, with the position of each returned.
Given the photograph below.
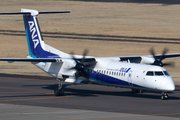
(35, 41)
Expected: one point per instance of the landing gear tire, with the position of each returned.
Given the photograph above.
(164, 96)
(58, 92)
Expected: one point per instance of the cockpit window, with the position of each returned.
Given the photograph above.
(150, 73)
(159, 73)
(166, 73)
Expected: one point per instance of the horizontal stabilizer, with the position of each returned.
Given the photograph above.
(33, 12)
(49, 12)
(30, 59)
(43, 59)
(14, 13)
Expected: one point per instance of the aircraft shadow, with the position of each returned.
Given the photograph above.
(27, 76)
(96, 93)
(27, 95)
(70, 90)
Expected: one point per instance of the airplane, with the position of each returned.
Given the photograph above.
(134, 72)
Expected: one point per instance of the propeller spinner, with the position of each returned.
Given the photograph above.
(81, 64)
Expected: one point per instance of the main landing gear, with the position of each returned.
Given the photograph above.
(136, 91)
(59, 91)
(164, 96)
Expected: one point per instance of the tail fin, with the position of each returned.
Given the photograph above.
(34, 38)
(35, 41)
(37, 47)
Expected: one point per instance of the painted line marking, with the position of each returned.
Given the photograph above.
(25, 92)
(28, 79)
(35, 98)
(29, 90)
(170, 114)
(25, 88)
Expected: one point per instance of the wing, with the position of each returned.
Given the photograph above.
(137, 59)
(168, 55)
(150, 59)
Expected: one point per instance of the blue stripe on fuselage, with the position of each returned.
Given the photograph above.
(102, 78)
(128, 70)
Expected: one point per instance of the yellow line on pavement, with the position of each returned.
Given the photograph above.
(35, 98)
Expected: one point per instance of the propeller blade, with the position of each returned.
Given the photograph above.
(84, 55)
(71, 68)
(72, 56)
(153, 53)
(163, 53)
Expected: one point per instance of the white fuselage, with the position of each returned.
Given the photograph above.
(135, 76)
(115, 73)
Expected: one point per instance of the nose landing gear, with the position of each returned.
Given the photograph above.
(164, 96)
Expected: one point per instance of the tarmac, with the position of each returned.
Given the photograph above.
(31, 97)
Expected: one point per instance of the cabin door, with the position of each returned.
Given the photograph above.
(130, 78)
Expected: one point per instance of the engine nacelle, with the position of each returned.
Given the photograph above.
(147, 60)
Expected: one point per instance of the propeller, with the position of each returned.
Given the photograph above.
(158, 59)
(81, 64)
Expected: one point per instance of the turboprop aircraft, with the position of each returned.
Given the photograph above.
(133, 72)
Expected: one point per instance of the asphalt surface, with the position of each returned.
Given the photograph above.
(29, 97)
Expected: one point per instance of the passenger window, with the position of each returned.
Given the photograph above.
(150, 73)
(159, 73)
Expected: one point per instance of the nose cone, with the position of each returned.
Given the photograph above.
(170, 86)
